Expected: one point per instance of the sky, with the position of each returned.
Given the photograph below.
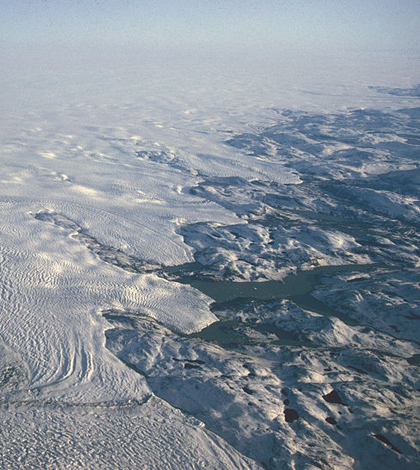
(322, 24)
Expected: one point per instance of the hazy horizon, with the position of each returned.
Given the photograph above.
(326, 24)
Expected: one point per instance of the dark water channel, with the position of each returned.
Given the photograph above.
(295, 287)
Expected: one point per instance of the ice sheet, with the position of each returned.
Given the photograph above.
(256, 169)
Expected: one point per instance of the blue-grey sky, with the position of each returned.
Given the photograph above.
(344, 24)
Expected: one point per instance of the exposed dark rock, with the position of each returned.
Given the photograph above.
(383, 439)
(330, 420)
(333, 397)
(291, 415)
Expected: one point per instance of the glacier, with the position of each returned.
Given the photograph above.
(212, 269)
